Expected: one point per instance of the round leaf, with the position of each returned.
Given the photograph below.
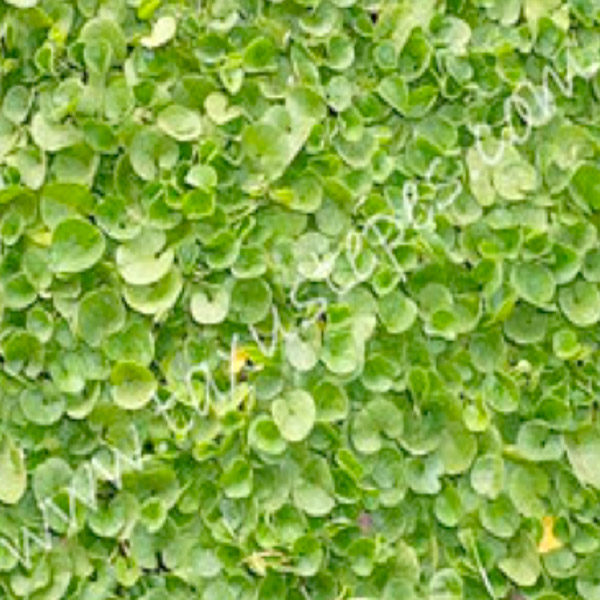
(157, 297)
(534, 283)
(580, 302)
(140, 260)
(526, 325)
(180, 123)
(76, 246)
(294, 414)
(132, 385)
(250, 300)
(210, 304)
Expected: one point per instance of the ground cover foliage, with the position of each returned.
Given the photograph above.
(299, 299)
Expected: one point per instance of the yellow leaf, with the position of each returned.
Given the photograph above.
(549, 541)
(238, 360)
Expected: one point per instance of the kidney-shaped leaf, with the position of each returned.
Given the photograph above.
(294, 414)
(580, 302)
(210, 304)
(180, 123)
(534, 283)
(140, 260)
(132, 385)
(76, 246)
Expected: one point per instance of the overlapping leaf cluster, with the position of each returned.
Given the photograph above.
(335, 263)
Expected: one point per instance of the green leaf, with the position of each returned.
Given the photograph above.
(580, 302)
(202, 176)
(487, 350)
(394, 91)
(107, 29)
(116, 219)
(361, 555)
(526, 325)
(584, 186)
(588, 583)
(313, 490)
(294, 414)
(236, 480)
(198, 204)
(180, 123)
(153, 514)
(487, 475)
(100, 314)
(522, 565)
(534, 283)
(118, 99)
(50, 477)
(301, 353)
(514, 177)
(250, 300)
(108, 521)
(260, 55)
(22, 3)
(500, 517)
(264, 436)
(209, 304)
(132, 385)
(31, 164)
(331, 401)
(77, 164)
(448, 506)
(16, 103)
(457, 448)
(397, 312)
(97, 55)
(22, 352)
(52, 137)
(266, 149)
(132, 342)
(501, 393)
(76, 246)
(446, 584)
(18, 292)
(309, 556)
(151, 152)
(341, 351)
(12, 471)
(155, 298)
(538, 442)
(44, 406)
(582, 448)
(143, 259)
(163, 30)
(423, 474)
